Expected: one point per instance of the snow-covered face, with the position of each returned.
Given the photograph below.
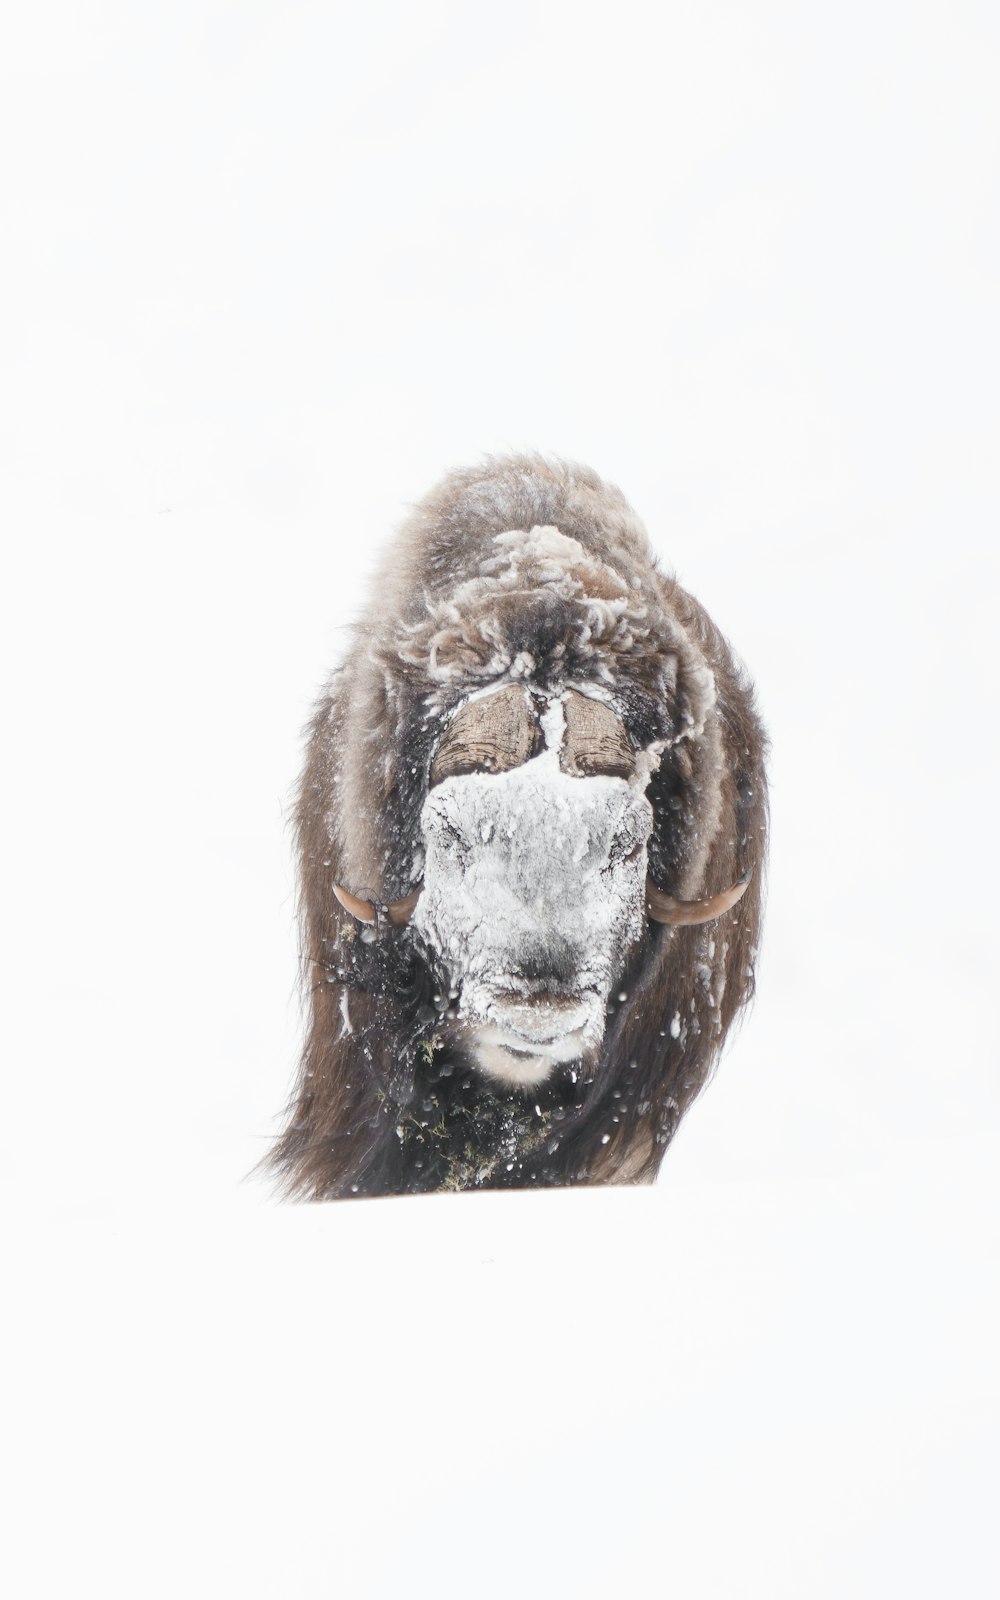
(533, 897)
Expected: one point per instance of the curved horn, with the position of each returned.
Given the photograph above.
(664, 908)
(398, 912)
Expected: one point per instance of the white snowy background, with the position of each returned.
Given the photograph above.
(269, 271)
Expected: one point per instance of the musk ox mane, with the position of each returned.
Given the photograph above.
(526, 571)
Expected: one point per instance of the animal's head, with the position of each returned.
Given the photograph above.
(534, 873)
(532, 826)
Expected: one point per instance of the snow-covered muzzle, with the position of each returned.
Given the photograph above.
(533, 898)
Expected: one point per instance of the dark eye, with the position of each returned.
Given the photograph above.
(455, 843)
(624, 850)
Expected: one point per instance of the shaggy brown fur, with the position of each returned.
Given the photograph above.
(381, 1105)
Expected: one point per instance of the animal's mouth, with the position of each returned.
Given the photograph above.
(522, 1034)
(538, 1013)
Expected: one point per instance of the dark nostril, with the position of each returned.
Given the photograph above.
(551, 962)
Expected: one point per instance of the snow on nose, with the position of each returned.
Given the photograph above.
(532, 878)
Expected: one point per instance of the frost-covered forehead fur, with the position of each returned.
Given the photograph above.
(535, 573)
(532, 573)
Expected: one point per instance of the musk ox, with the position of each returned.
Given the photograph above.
(532, 829)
